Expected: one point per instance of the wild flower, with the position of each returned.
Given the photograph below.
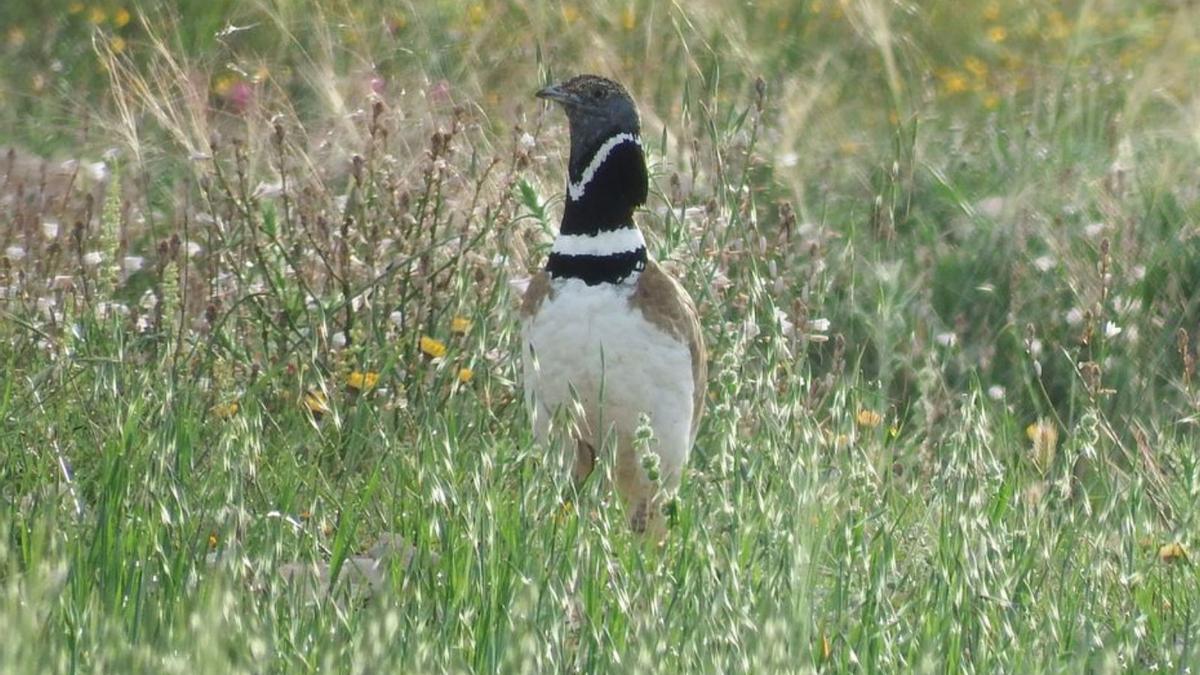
(1172, 552)
(954, 82)
(628, 18)
(316, 402)
(434, 349)
(465, 375)
(224, 411)
(362, 381)
(868, 419)
(121, 17)
(460, 325)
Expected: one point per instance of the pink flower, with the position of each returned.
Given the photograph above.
(240, 96)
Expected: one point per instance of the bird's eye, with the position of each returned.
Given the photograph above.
(597, 94)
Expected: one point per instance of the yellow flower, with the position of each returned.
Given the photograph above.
(118, 44)
(991, 12)
(361, 381)
(97, 15)
(121, 17)
(212, 540)
(432, 348)
(1059, 27)
(465, 375)
(224, 84)
(991, 101)
(16, 37)
(316, 402)
(975, 67)
(75, 7)
(628, 18)
(476, 14)
(570, 13)
(997, 34)
(1172, 552)
(224, 411)
(954, 82)
(868, 418)
(1044, 436)
(460, 325)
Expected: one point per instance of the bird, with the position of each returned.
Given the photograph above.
(607, 332)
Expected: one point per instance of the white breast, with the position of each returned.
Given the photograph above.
(591, 340)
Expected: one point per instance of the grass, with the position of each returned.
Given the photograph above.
(256, 314)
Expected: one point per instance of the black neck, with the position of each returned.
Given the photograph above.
(602, 202)
(617, 187)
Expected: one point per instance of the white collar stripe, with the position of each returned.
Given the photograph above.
(575, 190)
(604, 243)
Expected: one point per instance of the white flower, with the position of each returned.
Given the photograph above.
(1111, 329)
(1045, 263)
(789, 159)
(132, 263)
(818, 325)
(93, 258)
(995, 392)
(338, 340)
(1094, 229)
(97, 170)
(50, 229)
(107, 309)
(991, 206)
(15, 253)
(1074, 316)
(396, 317)
(193, 249)
(786, 326)
(947, 339)
(527, 141)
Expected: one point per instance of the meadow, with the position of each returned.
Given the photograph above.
(260, 395)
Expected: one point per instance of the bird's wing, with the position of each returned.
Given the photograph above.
(667, 305)
(535, 293)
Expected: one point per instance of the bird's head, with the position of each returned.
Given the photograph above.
(597, 109)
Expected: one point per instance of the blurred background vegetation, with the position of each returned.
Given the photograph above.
(254, 296)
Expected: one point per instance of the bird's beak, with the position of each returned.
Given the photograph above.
(555, 92)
